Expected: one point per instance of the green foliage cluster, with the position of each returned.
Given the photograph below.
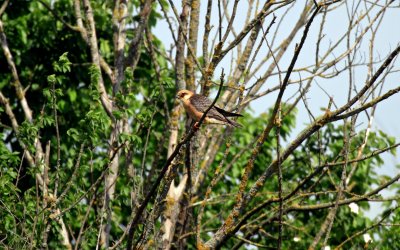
(52, 61)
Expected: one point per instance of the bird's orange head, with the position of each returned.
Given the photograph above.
(184, 94)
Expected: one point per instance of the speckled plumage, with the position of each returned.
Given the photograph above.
(195, 105)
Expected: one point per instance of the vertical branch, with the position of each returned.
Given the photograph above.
(171, 212)
(193, 35)
(79, 19)
(219, 21)
(228, 18)
(185, 221)
(110, 179)
(207, 29)
(135, 45)
(83, 32)
(119, 35)
(107, 105)
(205, 164)
(46, 196)
(180, 75)
(92, 39)
(119, 23)
(180, 47)
(183, 23)
(173, 129)
(3, 7)
(278, 123)
(54, 104)
(231, 20)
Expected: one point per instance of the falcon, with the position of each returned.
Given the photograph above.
(195, 105)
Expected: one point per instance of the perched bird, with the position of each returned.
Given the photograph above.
(195, 105)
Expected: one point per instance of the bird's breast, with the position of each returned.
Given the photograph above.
(193, 112)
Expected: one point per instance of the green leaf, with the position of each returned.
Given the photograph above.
(72, 95)
(52, 79)
(63, 65)
(72, 132)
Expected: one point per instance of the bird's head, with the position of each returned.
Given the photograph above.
(184, 94)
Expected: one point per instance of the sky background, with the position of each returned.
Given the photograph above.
(387, 115)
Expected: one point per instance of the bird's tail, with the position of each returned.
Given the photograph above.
(234, 123)
(226, 113)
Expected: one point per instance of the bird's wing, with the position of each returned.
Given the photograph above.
(201, 103)
(226, 113)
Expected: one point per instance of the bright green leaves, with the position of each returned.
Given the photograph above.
(63, 65)
(390, 233)
(27, 133)
(46, 121)
(9, 162)
(94, 74)
(145, 115)
(133, 139)
(74, 134)
(54, 92)
(105, 48)
(52, 79)
(65, 86)
(95, 126)
(72, 94)
(8, 159)
(388, 140)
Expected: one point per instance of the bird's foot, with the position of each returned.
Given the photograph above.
(196, 126)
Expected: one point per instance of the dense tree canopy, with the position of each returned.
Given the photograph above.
(97, 152)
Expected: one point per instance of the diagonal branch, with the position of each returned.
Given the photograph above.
(224, 231)
(17, 83)
(152, 190)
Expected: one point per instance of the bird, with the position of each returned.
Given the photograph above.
(195, 105)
